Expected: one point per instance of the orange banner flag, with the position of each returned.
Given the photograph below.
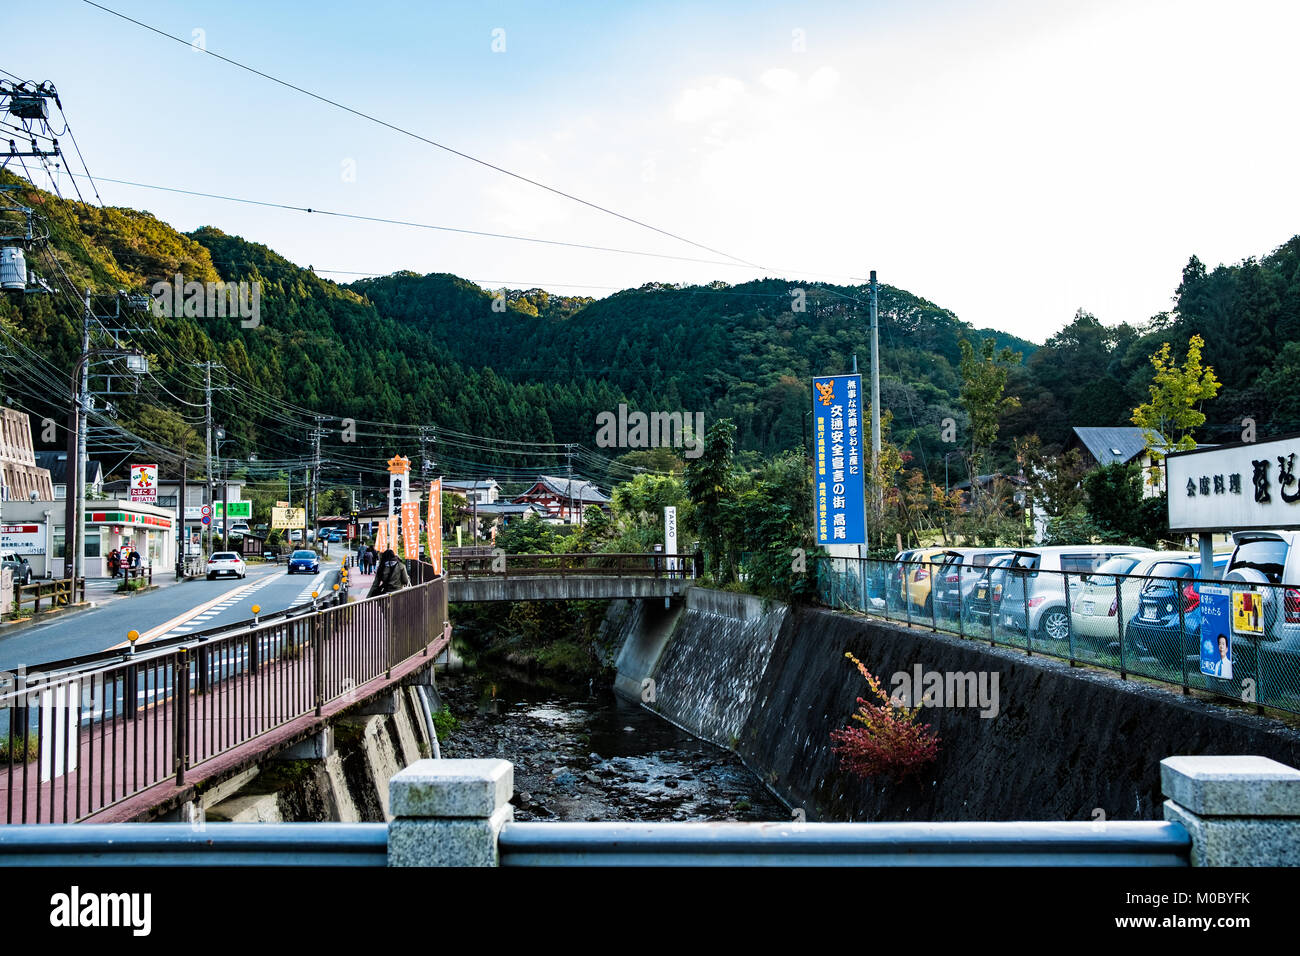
(434, 526)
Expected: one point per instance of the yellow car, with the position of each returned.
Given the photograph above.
(919, 569)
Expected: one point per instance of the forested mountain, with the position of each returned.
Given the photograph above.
(438, 350)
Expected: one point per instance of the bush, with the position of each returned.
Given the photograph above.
(890, 742)
(24, 749)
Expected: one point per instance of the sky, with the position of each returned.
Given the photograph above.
(1011, 160)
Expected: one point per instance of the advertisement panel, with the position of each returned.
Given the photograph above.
(1241, 487)
(144, 483)
(839, 507)
(1217, 610)
(381, 537)
(282, 518)
(23, 538)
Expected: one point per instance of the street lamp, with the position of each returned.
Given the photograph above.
(75, 509)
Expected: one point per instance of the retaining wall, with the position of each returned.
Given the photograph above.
(1065, 744)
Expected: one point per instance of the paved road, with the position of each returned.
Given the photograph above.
(178, 609)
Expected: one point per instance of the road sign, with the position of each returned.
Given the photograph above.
(207, 519)
(205, 512)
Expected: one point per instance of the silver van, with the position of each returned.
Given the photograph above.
(1035, 586)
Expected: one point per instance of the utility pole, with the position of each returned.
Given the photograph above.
(183, 542)
(207, 469)
(83, 407)
(875, 392)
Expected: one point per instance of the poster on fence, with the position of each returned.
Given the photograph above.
(839, 506)
(1216, 631)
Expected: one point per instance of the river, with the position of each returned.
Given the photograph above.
(582, 753)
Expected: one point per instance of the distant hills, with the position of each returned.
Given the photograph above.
(530, 366)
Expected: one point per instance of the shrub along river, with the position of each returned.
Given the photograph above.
(582, 753)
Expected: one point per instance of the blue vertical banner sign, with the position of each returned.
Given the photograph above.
(838, 506)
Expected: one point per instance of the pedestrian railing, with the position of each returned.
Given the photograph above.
(640, 564)
(44, 595)
(75, 741)
(1235, 640)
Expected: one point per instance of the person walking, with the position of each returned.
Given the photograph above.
(114, 562)
(133, 562)
(390, 576)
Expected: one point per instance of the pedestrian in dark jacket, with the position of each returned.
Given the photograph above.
(390, 576)
(114, 562)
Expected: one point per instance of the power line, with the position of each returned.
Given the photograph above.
(426, 140)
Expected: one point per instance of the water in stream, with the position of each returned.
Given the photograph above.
(581, 753)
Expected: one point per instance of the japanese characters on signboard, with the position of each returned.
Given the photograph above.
(381, 537)
(434, 525)
(144, 483)
(23, 538)
(839, 506)
(1235, 488)
(1218, 607)
(411, 528)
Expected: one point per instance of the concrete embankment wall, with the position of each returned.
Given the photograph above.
(344, 779)
(1065, 742)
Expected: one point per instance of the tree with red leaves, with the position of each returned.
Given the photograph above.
(890, 742)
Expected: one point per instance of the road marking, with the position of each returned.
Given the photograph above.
(187, 616)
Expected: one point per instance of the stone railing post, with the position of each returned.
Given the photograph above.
(1239, 811)
(449, 812)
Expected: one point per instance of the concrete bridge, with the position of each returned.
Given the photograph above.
(489, 576)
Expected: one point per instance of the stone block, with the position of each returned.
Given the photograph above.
(447, 842)
(1238, 841)
(1231, 786)
(451, 788)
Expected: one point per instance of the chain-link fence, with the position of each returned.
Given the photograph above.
(1233, 639)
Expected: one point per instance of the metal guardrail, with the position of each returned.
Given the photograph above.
(1119, 843)
(604, 564)
(79, 741)
(1128, 843)
(60, 592)
(183, 844)
(1135, 625)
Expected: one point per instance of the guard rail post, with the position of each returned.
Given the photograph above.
(449, 812)
(1238, 810)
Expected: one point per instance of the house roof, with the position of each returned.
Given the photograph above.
(480, 483)
(579, 489)
(57, 463)
(1111, 445)
(986, 480)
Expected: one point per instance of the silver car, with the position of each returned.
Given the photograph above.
(1033, 599)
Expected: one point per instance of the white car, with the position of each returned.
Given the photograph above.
(226, 562)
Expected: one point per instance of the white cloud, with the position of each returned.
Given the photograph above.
(706, 102)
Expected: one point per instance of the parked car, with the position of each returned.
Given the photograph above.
(19, 566)
(962, 569)
(304, 560)
(1270, 560)
(1095, 599)
(226, 562)
(240, 528)
(985, 597)
(1174, 580)
(919, 570)
(1033, 598)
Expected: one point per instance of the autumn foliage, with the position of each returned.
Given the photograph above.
(889, 741)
